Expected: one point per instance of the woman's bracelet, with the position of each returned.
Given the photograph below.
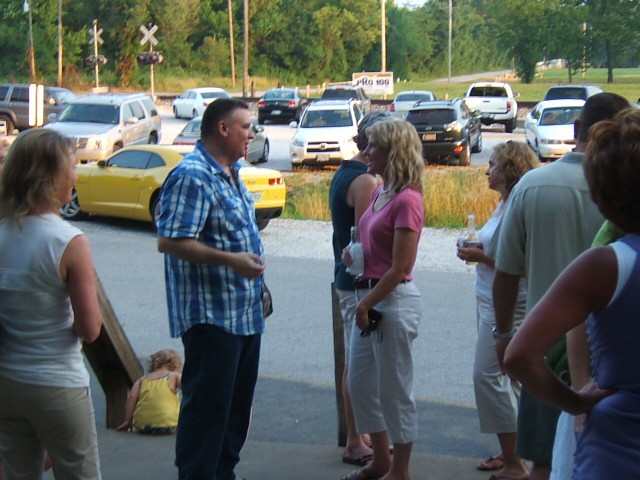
(503, 335)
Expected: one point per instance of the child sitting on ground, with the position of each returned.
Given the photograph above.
(153, 404)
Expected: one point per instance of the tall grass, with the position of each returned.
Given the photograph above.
(450, 194)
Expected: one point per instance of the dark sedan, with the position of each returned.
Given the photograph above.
(283, 104)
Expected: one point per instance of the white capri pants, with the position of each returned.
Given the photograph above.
(61, 420)
(381, 367)
(497, 394)
(347, 301)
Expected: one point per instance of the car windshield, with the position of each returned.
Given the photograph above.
(278, 95)
(192, 128)
(566, 92)
(214, 95)
(488, 92)
(560, 116)
(413, 97)
(339, 94)
(327, 118)
(84, 112)
(431, 117)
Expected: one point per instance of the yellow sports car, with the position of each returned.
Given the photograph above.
(127, 185)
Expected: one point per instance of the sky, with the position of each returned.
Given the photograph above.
(413, 3)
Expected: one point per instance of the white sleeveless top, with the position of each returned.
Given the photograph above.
(37, 343)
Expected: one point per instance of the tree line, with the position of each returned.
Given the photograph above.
(316, 40)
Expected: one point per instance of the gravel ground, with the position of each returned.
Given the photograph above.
(312, 239)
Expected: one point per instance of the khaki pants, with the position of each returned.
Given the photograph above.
(59, 420)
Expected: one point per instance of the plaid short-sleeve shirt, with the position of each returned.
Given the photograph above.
(198, 200)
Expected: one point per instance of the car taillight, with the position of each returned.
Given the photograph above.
(392, 108)
(293, 103)
(182, 143)
(276, 181)
(508, 106)
(262, 103)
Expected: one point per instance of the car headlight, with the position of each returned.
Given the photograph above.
(296, 142)
(550, 141)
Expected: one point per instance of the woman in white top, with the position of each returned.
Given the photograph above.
(48, 305)
(496, 394)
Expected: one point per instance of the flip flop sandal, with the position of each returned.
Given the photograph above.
(360, 461)
(491, 463)
(362, 474)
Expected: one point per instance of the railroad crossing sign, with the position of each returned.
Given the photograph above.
(94, 35)
(148, 35)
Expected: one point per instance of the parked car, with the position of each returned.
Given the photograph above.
(549, 127)
(448, 129)
(127, 185)
(496, 103)
(193, 102)
(345, 92)
(325, 134)
(103, 124)
(281, 104)
(405, 100)
(14, 104)
(258, 151)
(570, 90)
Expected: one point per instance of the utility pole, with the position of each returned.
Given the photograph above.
(450, 35)
(384, 36)
(233, 53)
(59, 43)
(245, 67)
(32, 54)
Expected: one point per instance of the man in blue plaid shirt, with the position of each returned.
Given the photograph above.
(213, 269)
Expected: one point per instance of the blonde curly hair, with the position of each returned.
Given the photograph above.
(167, 359)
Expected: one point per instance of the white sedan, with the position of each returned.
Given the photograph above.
(405, 100)
(549, 127)
(192, 103)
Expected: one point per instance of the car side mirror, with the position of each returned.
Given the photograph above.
(102, 163)
(131, 120)
(293, 124)
(260, 129)
(52, 117)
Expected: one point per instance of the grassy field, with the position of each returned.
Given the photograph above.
(450, 194)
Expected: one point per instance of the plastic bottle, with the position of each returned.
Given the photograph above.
(471, 238)
(357, 255)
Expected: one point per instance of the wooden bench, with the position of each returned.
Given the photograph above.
(113, 361)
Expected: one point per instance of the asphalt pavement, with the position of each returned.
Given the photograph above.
(294, 428)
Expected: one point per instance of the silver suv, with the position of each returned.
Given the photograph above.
(102, 124)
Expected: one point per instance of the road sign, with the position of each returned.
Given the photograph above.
(374, 83)
(147, 35)
(95, 36)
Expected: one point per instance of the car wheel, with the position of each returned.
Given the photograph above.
(262, 224)
(175, 112)
(265, 153)
(465, 156)
(296, 168)
(477, 148)
(9, 123)
(509, 126)
(71, 210)
(260, 120)
(155, 210)
(153, 138)
(194, 113)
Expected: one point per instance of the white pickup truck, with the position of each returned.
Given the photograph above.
(496, 103)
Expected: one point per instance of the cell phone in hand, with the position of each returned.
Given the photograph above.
(375, 317)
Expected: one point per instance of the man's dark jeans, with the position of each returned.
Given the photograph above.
(218, 381)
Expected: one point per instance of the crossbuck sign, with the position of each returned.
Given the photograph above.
(147, 35)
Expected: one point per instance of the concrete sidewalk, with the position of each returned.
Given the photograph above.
(294, 435)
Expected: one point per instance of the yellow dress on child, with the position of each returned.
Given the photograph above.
(158, 407)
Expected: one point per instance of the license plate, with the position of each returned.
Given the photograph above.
(257, 196)
(276, 112)
(428, 137)
(323, 157)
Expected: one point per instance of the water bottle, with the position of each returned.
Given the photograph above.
(471, 238)
(357, 255)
